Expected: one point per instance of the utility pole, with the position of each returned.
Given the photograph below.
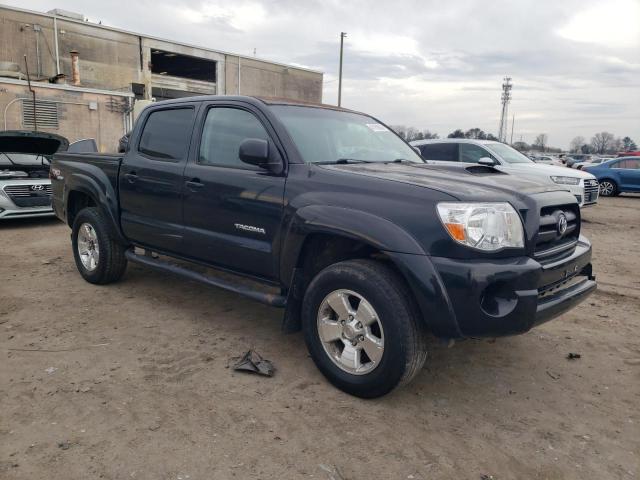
(513, 122)
(342, 35)
(504, 118)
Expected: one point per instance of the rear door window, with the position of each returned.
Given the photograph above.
(447, 152)
(167, 133)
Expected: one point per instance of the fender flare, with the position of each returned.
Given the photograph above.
(370, 229)
(92, 182)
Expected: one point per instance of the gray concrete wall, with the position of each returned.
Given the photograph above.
(112, 60)
(76, 119)
(108, 60)
(266, 79)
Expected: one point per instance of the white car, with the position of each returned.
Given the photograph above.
(593, 161)
(25, 188)
(583, 185)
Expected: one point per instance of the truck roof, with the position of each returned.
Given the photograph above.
(256, 100)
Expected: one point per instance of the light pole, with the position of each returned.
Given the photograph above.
(342, 35)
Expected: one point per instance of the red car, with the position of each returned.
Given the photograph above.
(629, 154)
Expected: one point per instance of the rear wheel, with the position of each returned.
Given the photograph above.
(608, 188)
(362, 329)
(99, 257)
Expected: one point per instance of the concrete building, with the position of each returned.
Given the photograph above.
(91, 93)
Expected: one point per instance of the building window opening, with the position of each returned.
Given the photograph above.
(182, 66)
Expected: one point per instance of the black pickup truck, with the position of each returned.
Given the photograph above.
(340, 222)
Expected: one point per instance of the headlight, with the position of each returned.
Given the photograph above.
(566, 180)
(486, 226)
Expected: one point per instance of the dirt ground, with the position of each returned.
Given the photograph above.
(130, 381)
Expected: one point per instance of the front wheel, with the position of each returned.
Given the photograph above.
(608, 188)
(99, 257)
(362, 329)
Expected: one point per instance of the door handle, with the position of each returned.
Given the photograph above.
(131, 177)
(194, 184)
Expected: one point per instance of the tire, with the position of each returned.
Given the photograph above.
(608, 188)
(396, 327)
(92, 231)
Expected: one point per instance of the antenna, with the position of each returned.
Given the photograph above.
(504, 119)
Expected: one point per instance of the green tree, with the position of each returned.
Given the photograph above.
(629, 145)
(456, 134)
(475, 133)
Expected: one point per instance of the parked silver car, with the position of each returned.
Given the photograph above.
(584, 186)
(25, 188)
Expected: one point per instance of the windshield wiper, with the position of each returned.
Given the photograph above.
(343, 161)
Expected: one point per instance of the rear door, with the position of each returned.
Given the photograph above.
(232, 210)
(151, 181)
(629, 174)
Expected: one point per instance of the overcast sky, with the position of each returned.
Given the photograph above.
(431, 64)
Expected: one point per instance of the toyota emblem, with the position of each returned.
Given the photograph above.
(37, 188)
(562, 224)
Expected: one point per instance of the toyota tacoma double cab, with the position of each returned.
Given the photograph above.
(335, 219)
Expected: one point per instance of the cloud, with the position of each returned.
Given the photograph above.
(612, 24)
(427, 63)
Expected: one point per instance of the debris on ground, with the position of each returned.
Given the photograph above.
(332, 472)
(50, 370)
(573, 356)
(555, 376)
(64, 445)
(484, 476)
(251, 361)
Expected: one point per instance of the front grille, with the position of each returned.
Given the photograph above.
(591, 189)
(34, 195)
(550, 240)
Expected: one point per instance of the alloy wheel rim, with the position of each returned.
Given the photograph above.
(350, 332)
(606, 188)
(88, 247)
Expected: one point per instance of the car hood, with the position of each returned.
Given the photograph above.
(543, 169)
(29, 142)
(463, 181)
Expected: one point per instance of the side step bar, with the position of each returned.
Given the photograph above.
(262, 297)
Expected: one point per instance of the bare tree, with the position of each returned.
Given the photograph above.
(601, 142)
(541, 142)
(411, 133)
(576, 144)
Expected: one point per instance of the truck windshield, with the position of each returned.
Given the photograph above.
(508, 154)
(332, 136)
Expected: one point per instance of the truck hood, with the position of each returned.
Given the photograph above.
(30, 142)
(463, 181)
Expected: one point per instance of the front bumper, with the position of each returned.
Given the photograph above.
(9, 210)
(25, 202)
(490, 298)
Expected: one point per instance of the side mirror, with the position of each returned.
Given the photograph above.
(255, 151)
(489, 162)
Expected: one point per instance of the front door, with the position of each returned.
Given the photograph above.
(232, 210)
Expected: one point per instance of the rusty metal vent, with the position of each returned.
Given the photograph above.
(47, 114)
